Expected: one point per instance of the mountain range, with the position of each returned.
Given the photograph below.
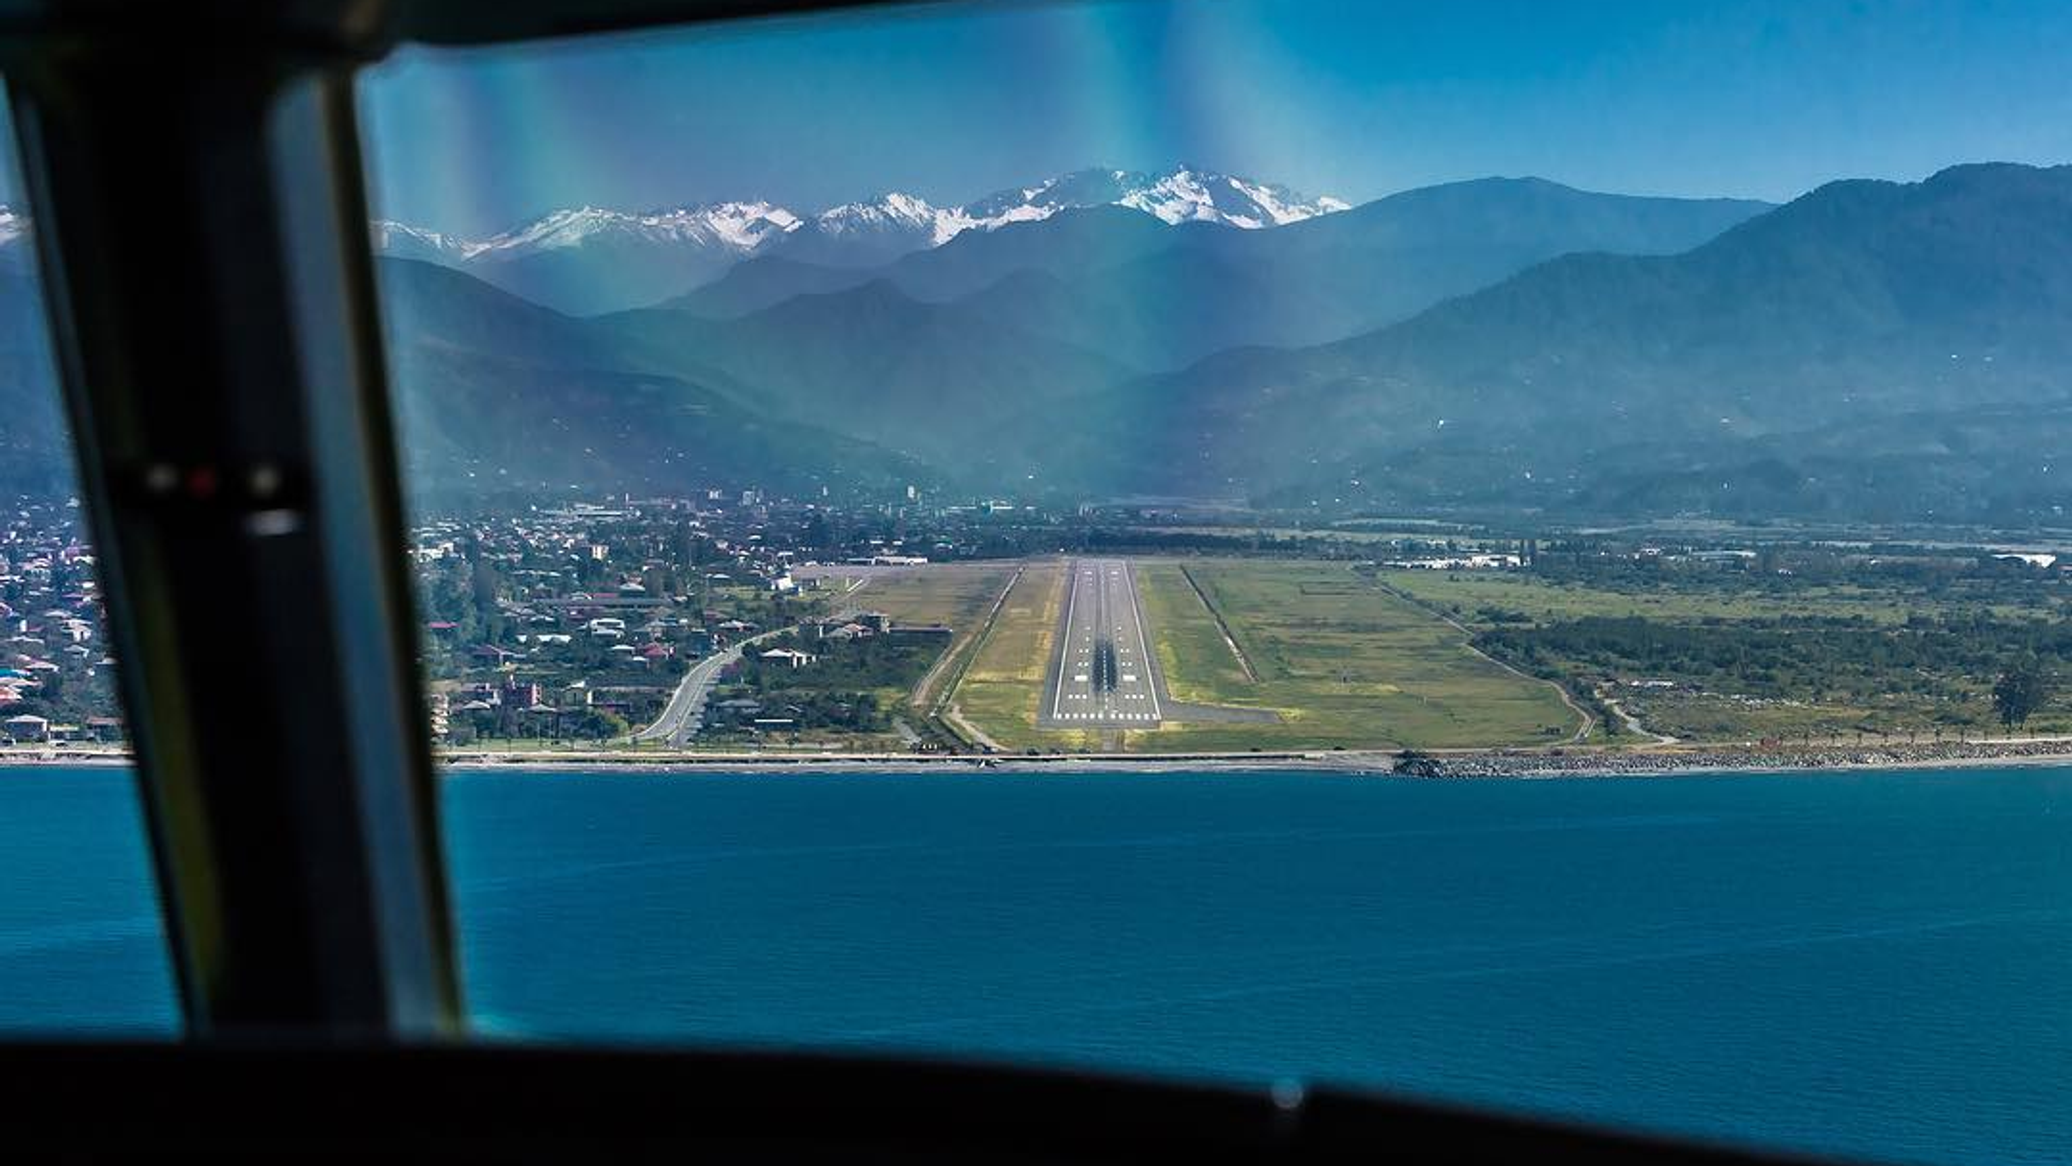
(1870, 349)
(498, 395)
(588, 260)
(1158, 296)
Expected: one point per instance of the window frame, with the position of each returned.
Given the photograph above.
(233, 432)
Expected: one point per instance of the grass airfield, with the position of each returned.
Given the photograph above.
(1340, 662)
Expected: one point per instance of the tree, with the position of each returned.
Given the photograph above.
(817, 534)
(482, 586)
(2020, 691)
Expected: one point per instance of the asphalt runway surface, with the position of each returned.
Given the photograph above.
(1101, 673)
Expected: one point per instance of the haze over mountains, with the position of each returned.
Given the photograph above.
(1870, 350)
(499, 394)
(589, 260)
(1157, 296)
(1903, 350)
(937, 358)
(32, 428)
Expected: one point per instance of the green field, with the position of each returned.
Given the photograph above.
(1201, 666)
(1465, 595)
(1353, 659)
(956, 595)
(1769, 657)
(1342, 662)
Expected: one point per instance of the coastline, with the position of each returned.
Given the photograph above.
(1683, 761)
(1687, 761)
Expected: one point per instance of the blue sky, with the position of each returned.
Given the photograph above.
(1356, 98)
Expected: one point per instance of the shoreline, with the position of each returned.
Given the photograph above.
(1517, 765)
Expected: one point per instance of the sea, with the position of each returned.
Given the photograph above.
(1872, 964)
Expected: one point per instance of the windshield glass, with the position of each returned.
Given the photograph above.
(1495, 551)
(82, 948)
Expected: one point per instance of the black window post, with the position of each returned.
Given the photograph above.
(200, 222)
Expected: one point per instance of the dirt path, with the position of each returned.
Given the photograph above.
(954, 718)
(964, 646)
(1235, 651)
(945, 709)
(1632, 723)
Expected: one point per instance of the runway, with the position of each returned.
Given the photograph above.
(1101, 674)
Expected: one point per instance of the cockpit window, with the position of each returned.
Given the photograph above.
(1502, 552)
(82, 946)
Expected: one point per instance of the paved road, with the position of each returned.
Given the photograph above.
(1101, 674)
(684, 715)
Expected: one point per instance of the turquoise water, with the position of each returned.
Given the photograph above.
(1878, 964)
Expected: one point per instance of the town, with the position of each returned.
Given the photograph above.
(56, 673)
(731, 620)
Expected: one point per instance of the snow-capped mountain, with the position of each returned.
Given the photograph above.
(865, 234)
(587, 260)
(737, 226)
(590, 259)
(892, 212)
(1180, 196)
(13, 224)
(408, 242)
(15, 256)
